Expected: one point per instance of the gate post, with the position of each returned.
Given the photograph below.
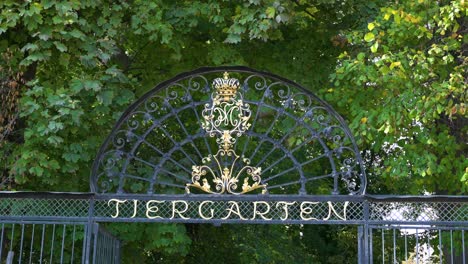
(363, 256)
(89, 231)
(363, 237)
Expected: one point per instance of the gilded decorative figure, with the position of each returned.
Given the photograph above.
(227, 118)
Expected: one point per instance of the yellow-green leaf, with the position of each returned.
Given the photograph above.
(270, 12)
(371, 26)
(369, 37)
(374, 47)
(395, 64)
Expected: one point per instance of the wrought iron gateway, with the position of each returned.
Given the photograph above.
(284, 138)
(229, 145)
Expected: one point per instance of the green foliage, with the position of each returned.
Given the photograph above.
(399, 81)
(142, 241)
(404, 87)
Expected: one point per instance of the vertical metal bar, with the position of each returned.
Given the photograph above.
(52, 244)
(96, 237)
(106, 247)
(21, 244)
(117, 257)
(83, 252)
(63, 243)
(117, 249)
(42, 242)
(463, 246)
(383, 246)
(371, 246)
(360, 240)
(112, 249)
(440, 246)
(417, 246)
(451, 246)
(1, 241)
(100, 247)
(406, 246)
(12, 236)
(394, 246)
(73, 244)
(366, 244)
(32, 244)
(89, 233)
(366, 232)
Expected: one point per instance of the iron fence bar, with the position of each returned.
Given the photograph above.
(42, 242)
(52, 241)
(440, 246)
(364, 251)
(1, 241)
(90, 228)
(417, 245)
(32, 244)
(95, 240)
(361, 238)
(442, 227)
(406, 247)
(63, 244)
(85, 239)
(21, 244)
(41, 220)
(371, 246)
(73, 244)
(383, 246)
(394, 247)
(451, 246)
(367, 197)
(463, 245)
(12, 236)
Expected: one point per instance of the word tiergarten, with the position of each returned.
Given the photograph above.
(228, 210)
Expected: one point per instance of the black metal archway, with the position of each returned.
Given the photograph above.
(295, 137)
(229, 145)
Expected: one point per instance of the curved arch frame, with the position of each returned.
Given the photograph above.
(208, 70)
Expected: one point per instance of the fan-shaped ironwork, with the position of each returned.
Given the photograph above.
(287, 141)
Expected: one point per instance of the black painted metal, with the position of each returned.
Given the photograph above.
(149, 154)
(159, 138)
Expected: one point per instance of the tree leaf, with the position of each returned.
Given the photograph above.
(369, 37)
(60, 46)
(375, 47)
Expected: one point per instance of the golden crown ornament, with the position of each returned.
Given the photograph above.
(226, 88)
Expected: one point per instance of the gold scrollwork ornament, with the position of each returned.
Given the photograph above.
(226, 117)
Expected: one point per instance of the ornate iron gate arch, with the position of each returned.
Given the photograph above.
(301, 138)
(188, 149)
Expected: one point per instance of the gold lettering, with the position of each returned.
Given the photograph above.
(285, 207)
(200, 210)
(135, 206)
(331, 208)
(307, 210)
(152, 209)
(231, 210)
(117, 203)
(262, 215)
(175, 210)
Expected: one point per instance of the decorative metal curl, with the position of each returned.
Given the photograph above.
(227, 117)
(290, 135)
